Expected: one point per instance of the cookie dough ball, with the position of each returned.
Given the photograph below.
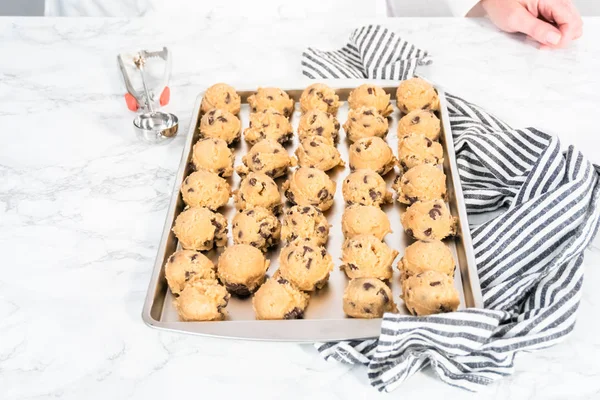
(186, 265)
(318, 152)
(242, 268)
(268, 124)
(202, 300)
(371, 96)
(430, 292)
(365, 256)
(365, 187)
(423, 182)
(420, 122)
(221, 96)
(213, 155)
(266, 156)
(205, 189)
(372, 153)
(278, 299)
(258, 190)
(426, 256)
(305, 223)
(271, 98)
(367, 220)
(365, 122)
(418, 149)
(220, 124)
(198, 228)
(305, 264)
(310, 187)
(428, 220)
(368, 298)
(416, 94)
(256, 227)
(318, 123)
(321, 97)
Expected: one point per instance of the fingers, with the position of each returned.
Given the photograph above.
(566, 17)
(522, 21)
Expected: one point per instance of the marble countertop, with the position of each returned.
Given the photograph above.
(82, 202)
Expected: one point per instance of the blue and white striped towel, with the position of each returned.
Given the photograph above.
(529, 257)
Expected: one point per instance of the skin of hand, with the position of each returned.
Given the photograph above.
(553, 23)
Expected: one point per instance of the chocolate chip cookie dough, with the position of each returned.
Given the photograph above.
(365, 187)
(368, 220)
(372, 153)
(416, 94)
(220, 124)
(420, 122)
(205, 189)
(241, 268)
(318, 123)
(268, 124)
(416, 149)
(318, 152)
(305, 223)
(305, 264)
(198, 228)
(365, 256)
(278, 299)
(213, 155)
(423, 182)
(426, 256)
(266, 156)
(202, 300)
(258, 190)
(221, 96)
(428, 220)
(365, 122)
(321, 97)
(186, 265)
(371, 96)
(430, 292)
(368, 298)
(310, 187)
(271, 98)
(256, 227)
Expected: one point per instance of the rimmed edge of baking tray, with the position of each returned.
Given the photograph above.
(309, 330)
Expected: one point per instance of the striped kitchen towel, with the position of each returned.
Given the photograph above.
(529, 257)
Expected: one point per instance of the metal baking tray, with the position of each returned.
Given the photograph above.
(324, 318)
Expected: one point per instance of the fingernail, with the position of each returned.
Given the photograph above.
(553, 37)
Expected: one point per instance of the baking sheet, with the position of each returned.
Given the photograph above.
(324, 318)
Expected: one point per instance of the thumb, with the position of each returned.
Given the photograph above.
(543, 32)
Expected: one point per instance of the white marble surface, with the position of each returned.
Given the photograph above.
(82, 203)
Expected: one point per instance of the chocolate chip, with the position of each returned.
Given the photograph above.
(308, 263)
(366, 125)
(254, 244)
(240, 234)
(227, 98)
(189, 274)
(426, 106)
(313, 143)
(294, 222)
(436, 283)
(321, 229)
(252, 181)
(306, 249)
(220, 171)
(386, 298)
(221, 118)
(445, 309)
(370, 91)
(211, 120)
(238, 289)
(323, 194)
(323, 252)
(427, 232)
(373, 194)
(313, 119)
(409, 232)
(256, 159)
(311, 90)
(289, 195)
(336, 125)
(190, 190)
(282, 281)
(412, 200)
(296, 313)
(320, 95)
(328, 101)
(172, 258)
(250, 212)
(368, 285)
(269, 97)
(290, 255)
(415, 120)
(368, 112)
(434, 213)
(319, 130)
(311, 175)
(353, 304)
(212, 112)
(207, 243)
(352, 266)
(403, 165)
(305, 210)
(429, 142)
(367, 310)
(353, 119)
(287, 111)
(216, 224)
(437, 205)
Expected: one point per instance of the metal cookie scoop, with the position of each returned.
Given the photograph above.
(153, 126)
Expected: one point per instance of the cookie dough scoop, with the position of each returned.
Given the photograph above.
(368, 298)
(242, 268)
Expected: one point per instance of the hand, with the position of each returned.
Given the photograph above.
(553, 23)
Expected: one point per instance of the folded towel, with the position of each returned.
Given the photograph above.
(529, 257)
